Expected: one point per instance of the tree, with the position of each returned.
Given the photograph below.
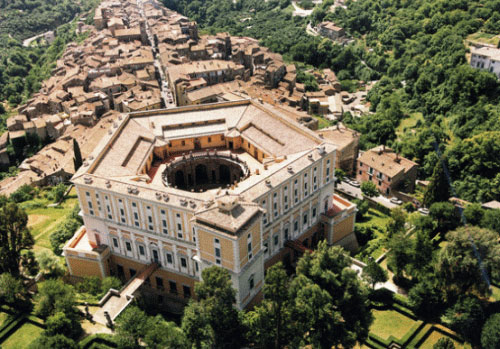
(60, 323)
(421, 256)
(14, 237)
(53, 342)
(77, 160)
(458, 265)
(446, 216)
(29, 263)
(400, 255)
(474, 214)
(444, 343)
(55, 296)
(10, 288)
(491, 220)
(196, 326)
(216, 297)
(490, 334)
(131, 325)
(396, 223)
(339, 175)
(369, 189)
(49, 264)
(162, 334)
(439, 188)
(466, 317)
(330, 302)
(425, 297)
(268, 324)
(373, 273)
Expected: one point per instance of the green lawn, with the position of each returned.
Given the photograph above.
(3, 318)
(44, 220)
(435, 336)
(409, 123)
(390, 323)
(322, 122)
(483, 37)
(23, 337)
(373, 217)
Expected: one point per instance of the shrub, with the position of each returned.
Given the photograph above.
(23, 193)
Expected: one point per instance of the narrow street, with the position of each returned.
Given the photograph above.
(166, 93)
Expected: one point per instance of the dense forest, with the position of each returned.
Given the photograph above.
(416, 50)
(22, 19)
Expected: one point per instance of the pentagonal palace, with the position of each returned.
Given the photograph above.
(170, 192)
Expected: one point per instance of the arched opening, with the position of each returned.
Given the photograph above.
(224, 174)
(179, 179)
(201, 174)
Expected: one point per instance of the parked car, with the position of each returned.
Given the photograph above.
(424, 211)
(355, 184)
(396, 201)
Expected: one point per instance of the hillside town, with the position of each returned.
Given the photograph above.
(248, 174)
(143, 56)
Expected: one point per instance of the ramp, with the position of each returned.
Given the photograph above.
(114, 302)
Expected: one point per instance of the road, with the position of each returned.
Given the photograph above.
(166, 93)
(356, 192)
(300, 11)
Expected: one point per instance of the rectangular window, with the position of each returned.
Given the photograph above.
(314, 212)
(249, 246)
(305, 219)
(327, 171)
(89, 204)
(296, 226)
(98, 201)
(209, 139)
(149, 214)
(159, 283)
(170, 259)
(128, 246)
(251, 282)
(186, 290)
(115, 242)
(276, 240)
(286, 234)
(315, 178)
(142, 252)
(108, 207)
(164, 222)
(264, 215)
(122, 211)
(132, 272)
(305, 185)
(173, 287)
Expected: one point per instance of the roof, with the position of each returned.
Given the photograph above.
(386, 161)
(495, 205)
(119, 160)
(230, 220)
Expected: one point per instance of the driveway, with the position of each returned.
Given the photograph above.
(356, 192)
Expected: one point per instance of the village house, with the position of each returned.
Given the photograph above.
(387, 170)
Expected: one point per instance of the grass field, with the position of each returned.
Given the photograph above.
(3, 318)
(435, 336)
(373, 217)
(23, 337)
(390, 323)
(483, 37)
(44, 220)
(409, 123)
